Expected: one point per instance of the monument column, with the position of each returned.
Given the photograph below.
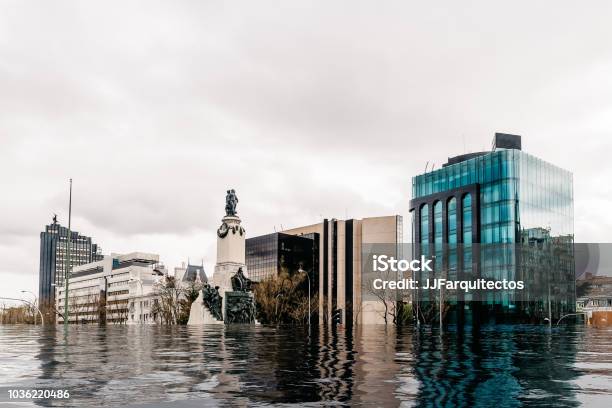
(230, 252)
(229, 279)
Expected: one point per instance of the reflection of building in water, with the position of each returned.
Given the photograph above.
(382, 372)
(335, 363)
(501, 214)
(501, 367)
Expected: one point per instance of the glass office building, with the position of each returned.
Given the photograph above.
(503, 214)
(267, 255)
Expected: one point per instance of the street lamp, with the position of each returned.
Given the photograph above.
(308, 277)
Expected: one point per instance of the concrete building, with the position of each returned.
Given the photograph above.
(339, 265)
(53, 260)
(118, 289)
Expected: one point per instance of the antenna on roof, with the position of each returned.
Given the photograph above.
(282, 229)
(433, 167)
(275, 228)
(426, 164)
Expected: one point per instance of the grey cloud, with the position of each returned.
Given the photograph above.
(307, 109)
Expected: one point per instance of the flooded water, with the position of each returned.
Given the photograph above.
(501, 366)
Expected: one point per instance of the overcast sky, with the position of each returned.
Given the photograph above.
(307, 110)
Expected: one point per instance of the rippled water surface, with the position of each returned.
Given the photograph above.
(502, 366)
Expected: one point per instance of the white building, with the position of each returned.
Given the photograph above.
(118, 289)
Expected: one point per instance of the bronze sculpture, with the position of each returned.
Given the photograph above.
(241, 283)
(213, 301)
(231, 201)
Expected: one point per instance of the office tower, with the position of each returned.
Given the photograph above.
(53, 260)
(497, 215)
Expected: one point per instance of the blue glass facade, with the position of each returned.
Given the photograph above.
(507, 202)
(516, 190)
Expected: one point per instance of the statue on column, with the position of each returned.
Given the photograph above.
(231, 201)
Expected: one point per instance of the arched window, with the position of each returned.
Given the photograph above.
(467, 218)
(438, 233)
(424, 224)
(452, 221)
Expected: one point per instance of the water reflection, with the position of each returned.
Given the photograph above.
(505, 366)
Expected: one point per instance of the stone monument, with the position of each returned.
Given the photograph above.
(228, 298)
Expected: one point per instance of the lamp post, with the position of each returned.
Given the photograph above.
(309, 302)
(35, 301)
(42, 320)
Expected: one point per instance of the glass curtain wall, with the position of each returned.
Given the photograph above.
(522, 200)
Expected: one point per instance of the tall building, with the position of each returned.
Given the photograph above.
(496, 215)
(53, 256)
(339, 265)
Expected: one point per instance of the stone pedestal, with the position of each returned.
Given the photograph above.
(230, 254)
(199, 314)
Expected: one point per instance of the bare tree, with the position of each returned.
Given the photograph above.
(168, 307)
(384, 295)
(284, 299)
(396, 306)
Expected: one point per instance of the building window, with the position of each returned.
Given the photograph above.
(452, 221)
(438, 236)
(424, 224)
(467, 218)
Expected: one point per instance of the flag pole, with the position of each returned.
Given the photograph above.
(68, 261)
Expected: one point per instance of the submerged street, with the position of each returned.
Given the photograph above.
(256, 365)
